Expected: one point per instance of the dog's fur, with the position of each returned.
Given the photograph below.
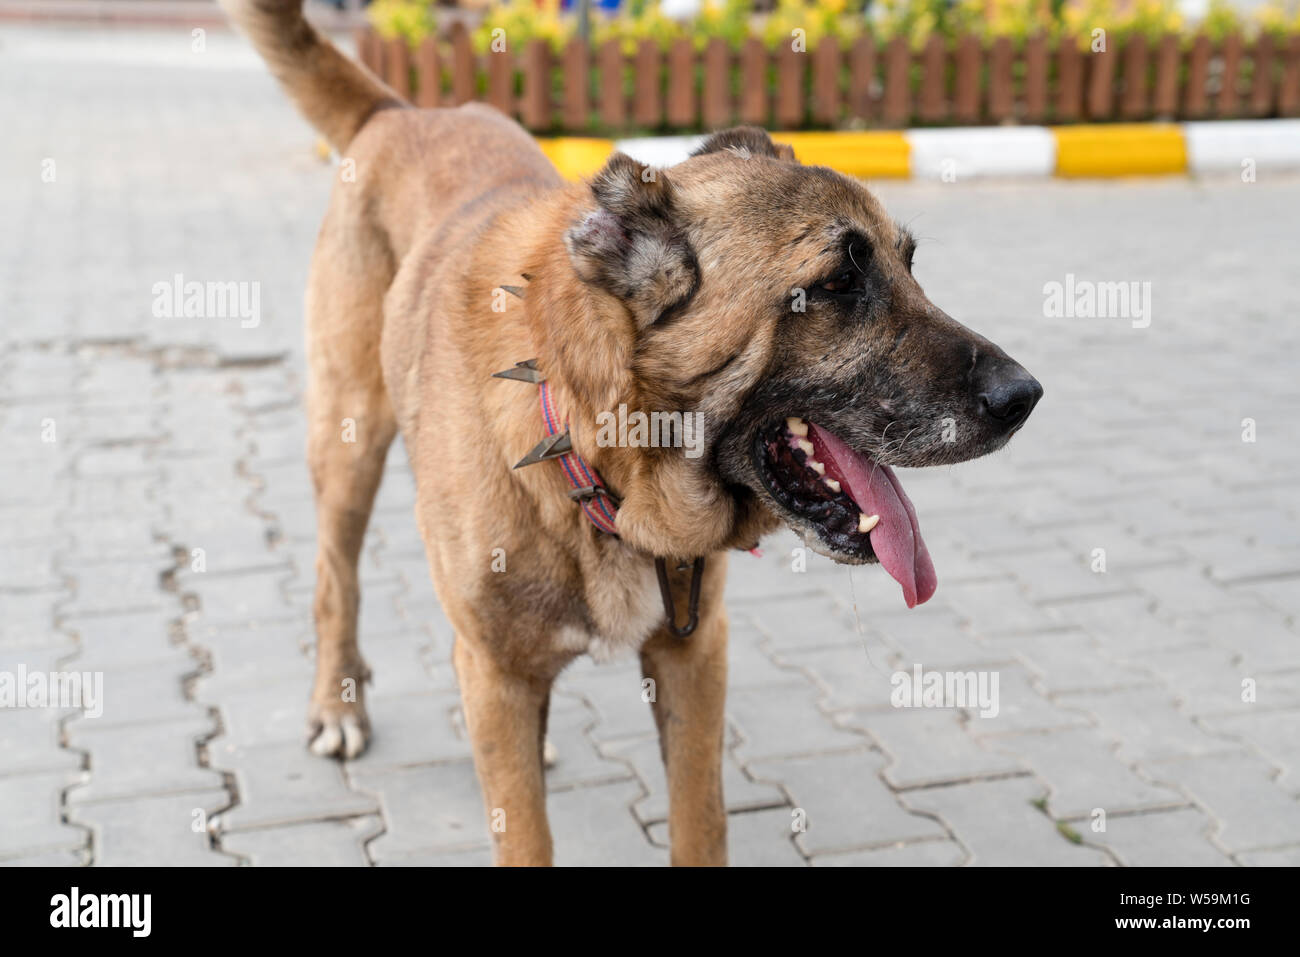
(664, 291)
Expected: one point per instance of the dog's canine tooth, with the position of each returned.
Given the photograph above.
(867, 522)
(798, 426)
(816, 466)
(806, 446)
(831, 484)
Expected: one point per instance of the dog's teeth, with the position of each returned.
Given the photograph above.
(816, 466)
(867, 522)
(806, 446)
(831, 484)
(798, 426)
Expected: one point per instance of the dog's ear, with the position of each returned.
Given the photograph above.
(746, 140)
(630, 245)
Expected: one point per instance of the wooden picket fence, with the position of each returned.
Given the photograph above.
(603, 90)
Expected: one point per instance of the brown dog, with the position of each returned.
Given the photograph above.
(773, 301)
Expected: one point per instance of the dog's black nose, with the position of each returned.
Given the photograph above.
(1006, 392)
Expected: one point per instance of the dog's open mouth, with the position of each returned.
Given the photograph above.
(855, 504)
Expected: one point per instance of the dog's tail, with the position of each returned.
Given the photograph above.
(336, 94)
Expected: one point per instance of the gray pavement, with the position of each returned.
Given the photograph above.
(1161, 694)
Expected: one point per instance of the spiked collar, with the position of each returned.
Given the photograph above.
(588, 489)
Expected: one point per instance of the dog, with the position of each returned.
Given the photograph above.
(464, 295)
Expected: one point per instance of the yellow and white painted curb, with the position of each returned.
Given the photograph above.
(1086, 150)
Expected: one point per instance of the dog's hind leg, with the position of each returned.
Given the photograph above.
(505, 713)
(350, 429)
(690, 677)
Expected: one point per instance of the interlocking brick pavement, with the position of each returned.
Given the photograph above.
(159, 532)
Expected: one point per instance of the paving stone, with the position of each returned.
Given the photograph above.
(129, 638)
(430, 808)
(614, 690)
(282, 784)
(1174, 838)
(141, 693)
(142, 759)
(1252, 811)
(1275, 734)
(579, 762)
(761, 838)
(33, 819)
(1277, 857)
(154, 831)
(927, 746)
(1148, 725)
(595, 827)
(1081, 769)
(318, 844)
(416, 729)
(999, 824)
(847, 804)
(775, 721)
(1063, 662)
(938, 853)
(29, 741)
(739, 792)
(847, 676)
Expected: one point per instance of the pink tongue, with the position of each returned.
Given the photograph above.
(875, 488)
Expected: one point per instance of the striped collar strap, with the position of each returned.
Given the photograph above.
(588, 490)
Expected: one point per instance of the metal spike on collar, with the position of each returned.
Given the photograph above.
(525, 371)
(551, 447)
(516, 291)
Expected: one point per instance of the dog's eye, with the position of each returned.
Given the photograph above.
(848, 284)
(842, 284)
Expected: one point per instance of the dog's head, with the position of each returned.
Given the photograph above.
(776, 301)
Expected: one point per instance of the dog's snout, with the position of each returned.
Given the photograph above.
(1007, 393)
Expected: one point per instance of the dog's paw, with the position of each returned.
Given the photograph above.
(338, 732)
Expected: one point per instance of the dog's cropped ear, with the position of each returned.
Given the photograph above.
(746, 140)
(630, 245)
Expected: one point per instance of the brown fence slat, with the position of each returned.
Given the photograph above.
(535, 106)
(1069, 79)
(428, 73)
(1229, 93)
(363, 37)
(966, 83)
(932, 106)
(862, 78)
(789, 86)
(1101, 83)
(1196, 94)
(1288, 94)
(1036, 74)
(1168, 60)
(397, 65)
(1002, 101)
(717, 83)
(613, 101)
(1262, 89)
(682, 109)
(896, 109)
(826, 81)
(501, 80)
(1135, 102)
(463, 85)
(754, 99)
(648, 100)
(577, 85)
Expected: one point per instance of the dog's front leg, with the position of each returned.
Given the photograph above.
(505, 713)
(690, 688)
